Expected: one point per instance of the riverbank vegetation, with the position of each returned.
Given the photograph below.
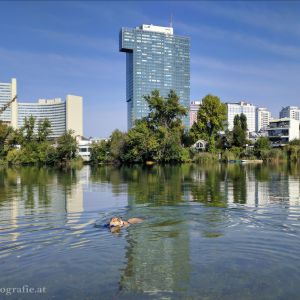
(159, 137)
(31, 145)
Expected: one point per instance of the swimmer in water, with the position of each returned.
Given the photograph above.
(115, 224)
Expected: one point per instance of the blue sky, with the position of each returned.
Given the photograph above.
(239, 51)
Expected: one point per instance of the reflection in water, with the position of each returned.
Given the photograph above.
(201, 222)
(213, 185)
(37, 191)
(162, 250)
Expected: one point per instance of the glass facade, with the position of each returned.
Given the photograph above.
(155, 59)
(54, 112)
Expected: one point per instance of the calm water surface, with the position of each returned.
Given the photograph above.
(210, 232)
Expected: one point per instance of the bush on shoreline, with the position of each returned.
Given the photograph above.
(30, 145)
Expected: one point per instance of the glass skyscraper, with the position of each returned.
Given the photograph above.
(155, 59)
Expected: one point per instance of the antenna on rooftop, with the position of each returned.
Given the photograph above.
(171, 20)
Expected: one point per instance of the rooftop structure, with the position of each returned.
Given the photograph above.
(153, 28)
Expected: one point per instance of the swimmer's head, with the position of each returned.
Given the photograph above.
(116, 222)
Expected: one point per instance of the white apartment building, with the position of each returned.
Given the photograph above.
(194, 107)
(282, 131)
(263, 117)
(63, 115)
(292, 112)
(247, 109)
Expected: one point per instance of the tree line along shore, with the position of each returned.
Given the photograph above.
(159, 137)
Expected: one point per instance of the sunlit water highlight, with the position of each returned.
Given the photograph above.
(215, 232)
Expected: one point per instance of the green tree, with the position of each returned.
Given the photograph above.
(99, 152)
(116, 145)
(295, 142)
(66, 146)
(166, 112)
(210, 120)
(239, 133)
(226, 140)
(159, 135)
(44, 130)
(262, 147)
(243, 120)
(28, 129)
(5, 133)
(263, 143)
(141, 143)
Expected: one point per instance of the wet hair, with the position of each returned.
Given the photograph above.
(117, 219)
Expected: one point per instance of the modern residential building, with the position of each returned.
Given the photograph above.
(292, 112)
(282, 131)
(263, 117)
(63, 115)
(155, 59)
(247, 109)
(194, 107)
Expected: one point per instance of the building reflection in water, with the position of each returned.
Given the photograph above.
(162, 247)
(38, 192)
(166, 257)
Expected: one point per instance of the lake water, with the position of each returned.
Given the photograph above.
(210, 232)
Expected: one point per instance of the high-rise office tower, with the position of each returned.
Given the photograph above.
(155, 59)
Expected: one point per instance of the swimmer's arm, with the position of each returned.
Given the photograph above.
(135, 220)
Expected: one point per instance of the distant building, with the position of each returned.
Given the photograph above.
(263, 117)
(292, 112)
(155, 59)
(245, 108)
(282, 131)
(84, 149)
(63, 115)
(7, 92)
(200, 145)
(194, 107)
(85, 144)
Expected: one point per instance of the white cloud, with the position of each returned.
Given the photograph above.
(221, 35)
(101, 44)
(277, 17)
